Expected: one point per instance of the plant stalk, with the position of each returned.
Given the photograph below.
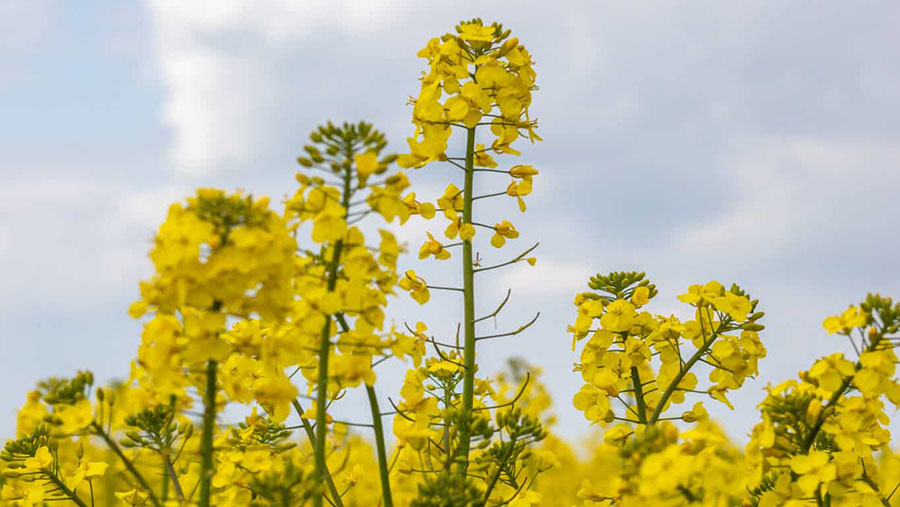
(311, 436)
(684, 370)
(380, 447)
(828, 410)
(170, 473)
(638, 395)
(325, 347)
(206, 439)
(469, 308)
(127, 462)
(65, 489)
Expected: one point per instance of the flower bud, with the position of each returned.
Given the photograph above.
(813, 410)
(508, 46)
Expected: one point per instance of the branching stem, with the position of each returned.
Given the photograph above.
(127, 462)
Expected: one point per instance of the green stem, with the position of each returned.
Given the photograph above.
(684, 370)
(380, 447)
(638, 395)
(311, 436)
(493, 480)
(65, 489)
(377, 426)
(835, 398)
(448, 456)
(209, 428)
(872, 484)
(128, 464)
(165, 485)
(170, 473)
(325, 346)
(321, 397)
(469, 308)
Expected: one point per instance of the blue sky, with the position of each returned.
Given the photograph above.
(756, 143)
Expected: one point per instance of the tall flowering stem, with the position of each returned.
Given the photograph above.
(343, 287)
(478, 77)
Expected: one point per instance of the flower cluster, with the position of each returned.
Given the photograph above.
(222, 252)
(636, 365)
(822, 436)
(467, 444)
(478, 76)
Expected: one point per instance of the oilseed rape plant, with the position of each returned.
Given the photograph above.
(277, 312)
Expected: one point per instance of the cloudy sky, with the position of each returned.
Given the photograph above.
(750, 142)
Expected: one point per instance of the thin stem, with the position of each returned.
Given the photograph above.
(321, 400)
(493, 480)
(872, 484)
(164, 496)
(311, 436)
(439, 287)
(507, 263)
(511, 333)
(170, 470)
(128, 464)
(65, 489)
(206, 440)
(495, 312)
(380, 448)
(835, 397)
(486, 196)
(469, 308)
(448, 456)
(678, 378)
(638, 395)
(324, 349)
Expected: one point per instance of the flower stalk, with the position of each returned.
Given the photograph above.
(206, 439)
(468, 305)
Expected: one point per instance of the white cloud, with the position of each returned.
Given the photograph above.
(646, 110)
(23, 24)
(148, 208)
(548, 278)
(787, 191)
(72, 242)
(221, 67)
